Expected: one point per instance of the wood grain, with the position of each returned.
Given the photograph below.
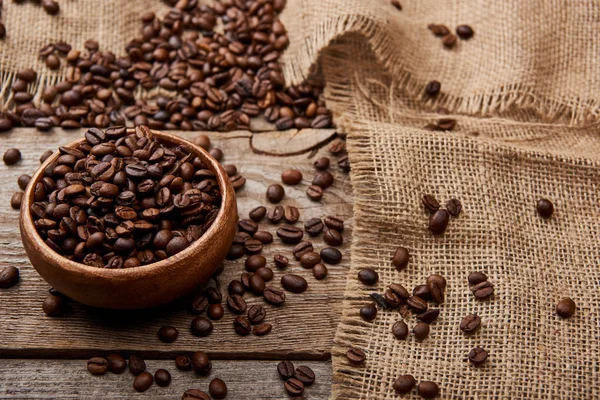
(69, 379)
(304, 328)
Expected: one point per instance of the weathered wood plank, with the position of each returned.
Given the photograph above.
(69, 379)
(304, 328)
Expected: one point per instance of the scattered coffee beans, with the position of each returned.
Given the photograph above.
(477, 356)
(16, 200)
(256, 314)
(438, 30)
(167, 334)
(9, 276)
(544, 207)
(404, 384)
(143, 382)
(217, 389)
(565, 308)
(162, 377)
(333, 237)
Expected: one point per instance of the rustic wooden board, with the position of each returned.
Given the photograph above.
(304, 328)
(69, 379)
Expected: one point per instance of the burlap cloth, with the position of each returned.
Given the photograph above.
(525, 93)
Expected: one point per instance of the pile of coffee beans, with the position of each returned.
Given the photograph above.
(439, 217)
(121, 201)
(209, 80)
(296, 379)
(449, 39)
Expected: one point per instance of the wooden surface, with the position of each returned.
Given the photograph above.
(303, 329)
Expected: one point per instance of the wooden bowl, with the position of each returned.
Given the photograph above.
(147, 285)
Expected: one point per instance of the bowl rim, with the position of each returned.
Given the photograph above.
(143, 270)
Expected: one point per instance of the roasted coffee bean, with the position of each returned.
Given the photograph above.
(215, 312)
(136, 365)
(397, 5)
(477, 356)
(5, 123)
(194, 394)
(54, 306)
(392, 300)
(449, 40)
(291, 177)
(242, 325)
(454, 207)
(430, 203)
(368, 312)
(432, 89)
(16, 200)
(290, 234)
(263, 236)
(236, 303)
(400, 330)
(237, 182)
(302, 248)
(544, 206)
(12, 156)
(423, 292)
(202, 141)
(116, 363)
(291, 214)
(314, 192)
(235, 287)
(470, 323)
(321, 163)
(430, 315)
(436, 285)
(245, 279)
(483, 290)
(198, 304)
(281, 261)
(416, 304)
(201, 327)
(201, 363)
(162, 377)
(275, 193)
(97, 365)
(275, 215)
(421, 330)
(399, 290)
(477, 277)
(333, 237)
(438, 221)
(51, 7)
(248, 226)
(266, 273)
(274, 296)
(255, 262)
(230, 169)
(337, 146)
(285, 369)
(310, 259)
(257, 284)
(313, 226)
(217, 389)
(167, 334)
(256, 314)
(262, 329)
(356, 356)
(333, 222)
(323, 179)
(294, 283)
(183, 363)
(319, 271)
(368, 276)
(235, 251)
(258, 213)
(404, 384)
(294, 387)
(305, 375)
(331, 255)
(253, 246)
(565, 308)
(464, 32)
(143, 382)
(428, 389)
(213, 295)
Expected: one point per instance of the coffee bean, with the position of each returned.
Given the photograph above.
(313, 226)
(477, 277)
(280, 261)
(477, 356)
(255, 262)
(201, 327)
(464, 32)
(454, 207)
(449, 40)
(399, 290)
(429, 316)
(423, 292)
(314, 192)
(162, 377)
(201, 363)
(215, 312)
(432, 89)
(276, 214)
(242, 325)
(321, 163)
(333, 237)
(368, 312)
(302, 248)
(416, 304)
(291, 214)
(310, 259)
(54, 306)
(262, 329)
(337, 146)
(12, 156)
(285, 369)
(183, 363)
(274, 296)
(202, 141)
(322, 179)
(331, 255)
(217, 389)
(319, 271)
(290, 234)
(397, 5)
(136, 365)
(275, 193)
(291, 177)
(428, 389)
(470, 323)
(544, 206)
(436, 285)
(438, 221)
(294, 283)
(565, 308)
(230, 170)
(257, 284)
(430, 203)
(143, 382)
(294, 387)
(245, 279)
(9, 276)
(52, 61)
(116, 363)
(248, 226)
(194, 394)
(97, 365)
(333, 222)
(256, 314)
(237, 182)
(258, 213)
(305, 375)
(404, 384)
(263, 236)
(391, 299)
(266, 273)
(51, 7)
(216, 153)
(235, 251)
(400, 330)
(236, 303)
(5, 123)
(483, 290)
(356, 356)
(400, 258)
(235, 287)
(167, 334)
(421, 330)
(198, 304)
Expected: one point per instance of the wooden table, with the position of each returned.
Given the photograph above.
(43, 357)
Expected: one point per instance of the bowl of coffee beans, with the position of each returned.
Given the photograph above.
(128, 218)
